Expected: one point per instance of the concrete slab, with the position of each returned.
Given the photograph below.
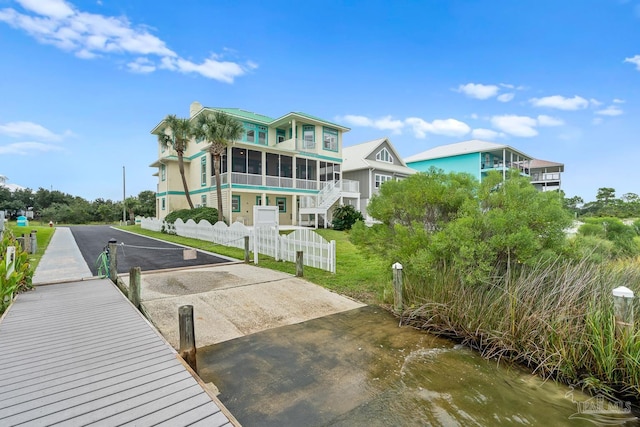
(233, 300)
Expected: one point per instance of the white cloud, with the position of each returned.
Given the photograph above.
(611, 110)
(142, 66)
(223, 71)
(383, 123)
(549, 121)
(515, 125)
(506, 97)
(594, 102)
(507, 85)
(618, 101)
(90, 35)
(486, 134)
(31, 130)
(597, 120)
(51, 8)
(478, 91)
(26, 148)
(474, 116)
(560, 102)
(634, 60)
(447, 127)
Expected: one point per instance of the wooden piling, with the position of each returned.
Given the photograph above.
(113, 261)
(397, 287)
(246, 249)
(134, 286)
(299, 264)
(623, 309)
(187, 335)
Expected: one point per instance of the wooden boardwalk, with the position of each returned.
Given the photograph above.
(78, 353)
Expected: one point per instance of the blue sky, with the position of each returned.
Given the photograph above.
(82, 83)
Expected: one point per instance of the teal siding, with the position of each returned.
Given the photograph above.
(469, 163)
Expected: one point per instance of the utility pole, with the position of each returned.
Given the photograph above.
(124, 197)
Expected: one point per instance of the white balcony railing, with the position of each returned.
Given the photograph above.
(279, 181)
(306, 185)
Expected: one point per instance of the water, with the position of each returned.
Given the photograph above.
(359, 368)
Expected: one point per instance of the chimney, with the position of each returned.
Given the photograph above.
(195, 107)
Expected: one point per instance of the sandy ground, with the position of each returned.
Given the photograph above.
(233, 300)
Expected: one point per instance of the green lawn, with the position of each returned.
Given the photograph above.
(43, 236)
(365, 279)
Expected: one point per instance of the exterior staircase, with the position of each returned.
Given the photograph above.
(321, 204)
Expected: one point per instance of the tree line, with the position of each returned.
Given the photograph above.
(57, 206)
(606, 204)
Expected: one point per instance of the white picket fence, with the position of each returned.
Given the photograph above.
(317, 251)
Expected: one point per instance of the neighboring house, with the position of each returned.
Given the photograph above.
(479, 157)
(11, 187)
(371, 164)
(545, 175)
(293, 162)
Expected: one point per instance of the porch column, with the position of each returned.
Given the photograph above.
(263, 159)
(293, 133)
(263, 199)
(504, 164)
(294, 209)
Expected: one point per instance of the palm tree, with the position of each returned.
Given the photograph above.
(178, 139)
(220, 130)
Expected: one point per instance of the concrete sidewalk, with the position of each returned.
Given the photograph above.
(62, 260)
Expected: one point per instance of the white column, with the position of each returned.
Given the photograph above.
(294, 209)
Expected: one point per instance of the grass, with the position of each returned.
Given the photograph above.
(357, 276)
(556, 318)
(43, 237)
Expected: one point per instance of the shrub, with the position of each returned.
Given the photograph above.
(345, 216)
(20, 279)
(197, 214)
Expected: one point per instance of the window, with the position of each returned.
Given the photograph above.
(254, 162)
(309, 136)
(163, 172)
(384, 156)
(235, 203)
(330, 139)
(279, 165)
(281, 202)
(305, 169)
(238, 160)
(329, 171)
(259, 201)
(262, 135)
(380, 179)
(164, 205)
(203, 171)
(280, 135)
(203, 200)
(251, 130)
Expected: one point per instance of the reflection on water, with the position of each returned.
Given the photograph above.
(360, 368)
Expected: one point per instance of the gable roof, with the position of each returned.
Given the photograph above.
(355, 157)
(459, 148)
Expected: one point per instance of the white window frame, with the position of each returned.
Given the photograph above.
(381, 179)
(384, 156)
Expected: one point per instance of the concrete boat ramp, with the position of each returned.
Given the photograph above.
(76, 352)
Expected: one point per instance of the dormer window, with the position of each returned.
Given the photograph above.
(384, 156)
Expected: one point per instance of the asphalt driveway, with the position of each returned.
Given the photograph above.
(138, 251)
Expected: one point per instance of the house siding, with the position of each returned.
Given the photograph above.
(465, 163)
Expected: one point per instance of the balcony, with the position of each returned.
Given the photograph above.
(297, 144)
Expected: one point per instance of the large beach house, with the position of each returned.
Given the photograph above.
(479, 157)
(293, 162)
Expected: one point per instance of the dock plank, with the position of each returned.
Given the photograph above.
(82, 354)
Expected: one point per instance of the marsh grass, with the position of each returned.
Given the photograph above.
(556, 317)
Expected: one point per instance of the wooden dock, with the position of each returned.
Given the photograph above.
(78, 353)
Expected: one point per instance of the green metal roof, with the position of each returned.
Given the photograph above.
(255, 117)
(300, 113)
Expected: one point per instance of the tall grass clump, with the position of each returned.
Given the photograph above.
(556, 317)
